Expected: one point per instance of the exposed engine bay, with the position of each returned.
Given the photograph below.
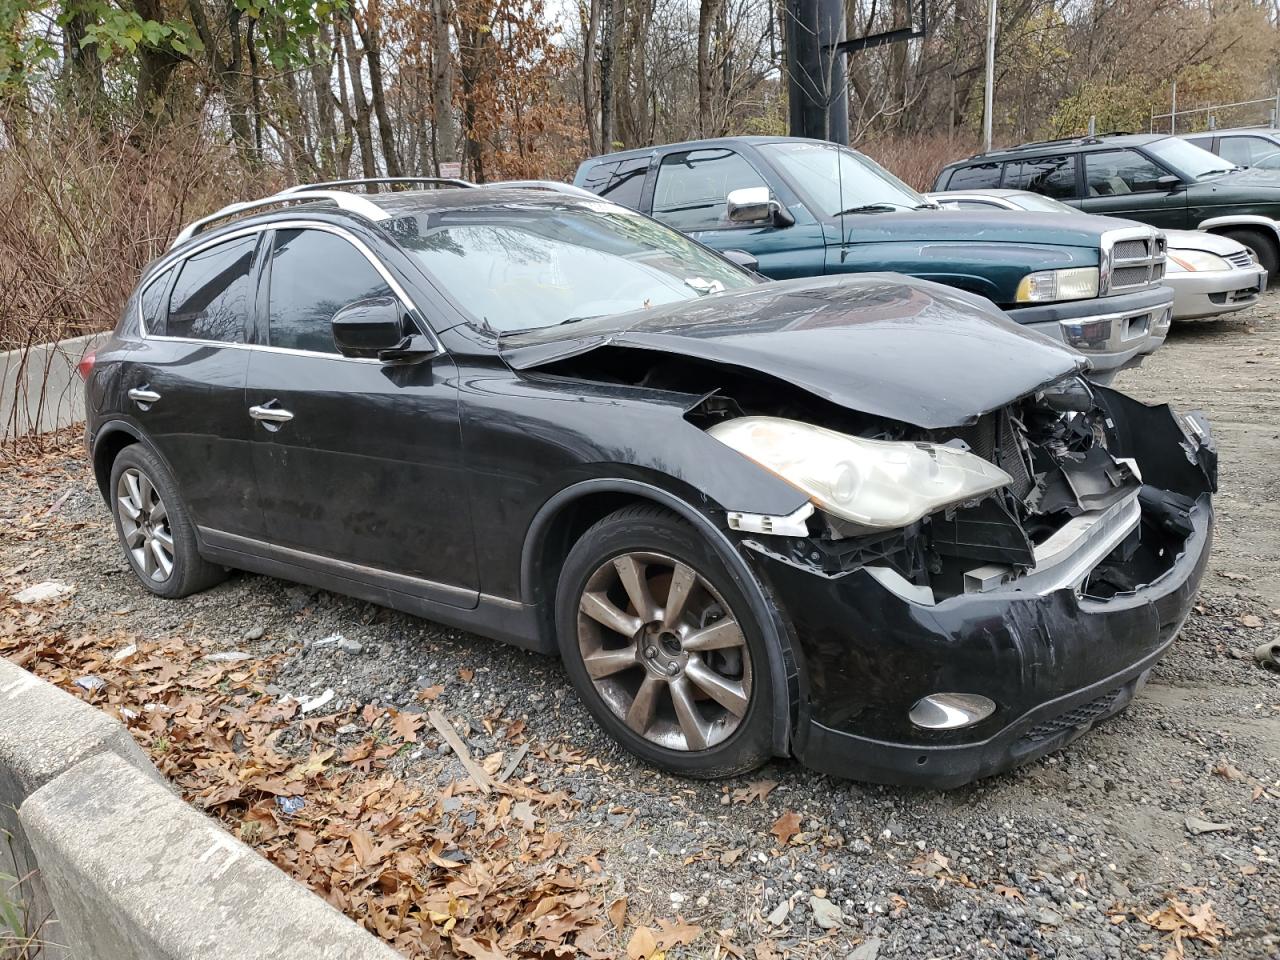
(1100, 499)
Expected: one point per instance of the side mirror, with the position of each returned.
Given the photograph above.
(742, 259)
(756, 205)
(374, 328)
(1169, 182)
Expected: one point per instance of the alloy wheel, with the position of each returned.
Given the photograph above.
(144, 525)
(664, 651)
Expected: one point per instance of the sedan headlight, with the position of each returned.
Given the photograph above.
(1048, 286)
(876, 483)
(1198, 261)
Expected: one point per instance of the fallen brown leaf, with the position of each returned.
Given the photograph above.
(786, 827)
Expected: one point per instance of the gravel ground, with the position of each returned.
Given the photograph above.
(1061, 858)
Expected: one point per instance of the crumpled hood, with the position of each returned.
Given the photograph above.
(881, 344)
(980, 226)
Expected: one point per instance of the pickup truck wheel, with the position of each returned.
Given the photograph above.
(1261, 245)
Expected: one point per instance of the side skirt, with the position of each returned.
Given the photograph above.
(495, 617)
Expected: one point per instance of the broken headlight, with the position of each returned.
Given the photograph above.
(875, 483)
(1047, 286)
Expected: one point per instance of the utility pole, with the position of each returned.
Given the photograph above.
(1173, 109)
(991, 75)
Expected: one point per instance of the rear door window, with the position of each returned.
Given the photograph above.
(314, 274)
(213, 293)
(1245, 151)
(1051, 176)
(978, 177)
(693, 186)
(1114, 173)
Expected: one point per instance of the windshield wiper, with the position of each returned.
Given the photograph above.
(1210, 173)
(873, 208)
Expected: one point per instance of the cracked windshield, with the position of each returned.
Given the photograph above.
(518, 268)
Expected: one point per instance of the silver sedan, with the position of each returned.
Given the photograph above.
(1210, 275)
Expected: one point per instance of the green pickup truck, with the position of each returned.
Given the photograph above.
(802, 208)
(1156, 179)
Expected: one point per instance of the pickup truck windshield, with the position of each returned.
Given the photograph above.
(840, 180)
(1188, 160)
(517, 267)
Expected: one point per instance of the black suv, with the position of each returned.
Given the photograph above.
(866, 521)
(1164, 181)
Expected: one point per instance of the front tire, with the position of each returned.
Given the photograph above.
(658, 641)
(154, 528)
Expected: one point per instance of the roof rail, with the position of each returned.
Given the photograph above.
(553, 185)
(364, 181)
(354, 202)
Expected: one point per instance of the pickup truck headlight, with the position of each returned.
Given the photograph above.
(1198, 261)
(1047, 286)
(876, 483)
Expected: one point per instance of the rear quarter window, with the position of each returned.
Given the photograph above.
(151, 304)
(978, 176)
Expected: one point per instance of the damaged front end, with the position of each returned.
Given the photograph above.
(1045, 601)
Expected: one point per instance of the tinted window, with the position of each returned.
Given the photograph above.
(211, 297)
(152, 305)
(1118, 172)
(598, 177)
(315, 274)
(977, 177)
(627, 183)
(692, 187)
(1051, 176)
(1245, 151)
(1204, 143)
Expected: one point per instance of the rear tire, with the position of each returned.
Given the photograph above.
(154, 528)
(681, 678)
(1263, 246)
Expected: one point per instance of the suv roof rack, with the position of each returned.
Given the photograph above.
(555, 186)
(341, 198)
(330, 190)
(363, 181)
(1081, 140)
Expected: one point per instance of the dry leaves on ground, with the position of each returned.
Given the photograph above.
(1183, 923)
(434, 873)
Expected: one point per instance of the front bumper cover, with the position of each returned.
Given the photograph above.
(1215, 292)
(1055, 663)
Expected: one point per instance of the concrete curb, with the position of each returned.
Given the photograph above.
(132, 871)
(40, 390)
(45, 733)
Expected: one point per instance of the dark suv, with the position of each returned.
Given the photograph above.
(865, 521)
(807, 208)
(1165, 181)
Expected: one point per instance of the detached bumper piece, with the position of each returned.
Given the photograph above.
(1059, 630)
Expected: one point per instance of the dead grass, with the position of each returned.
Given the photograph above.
(918, 159)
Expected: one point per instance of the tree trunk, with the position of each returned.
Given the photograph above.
(708, 11)
(371, 34)
(445, 145)
(608, 50)
(364, 128)
(590, 33)
(156, 66)
(84, 66)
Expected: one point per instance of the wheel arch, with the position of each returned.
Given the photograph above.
(111, 438)
(570, 512)
(1245, 220)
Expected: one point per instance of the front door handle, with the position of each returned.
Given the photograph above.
(143, 395)
(270, 413)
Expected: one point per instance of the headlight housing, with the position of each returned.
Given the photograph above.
(1048, 286)
(1198, 261)
(881, 484)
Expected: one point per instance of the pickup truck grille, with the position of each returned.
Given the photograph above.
(1136, 260)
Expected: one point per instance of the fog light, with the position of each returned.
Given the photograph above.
(951, 711)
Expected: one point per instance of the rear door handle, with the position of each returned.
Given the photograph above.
(270, 413)
(143, 394)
